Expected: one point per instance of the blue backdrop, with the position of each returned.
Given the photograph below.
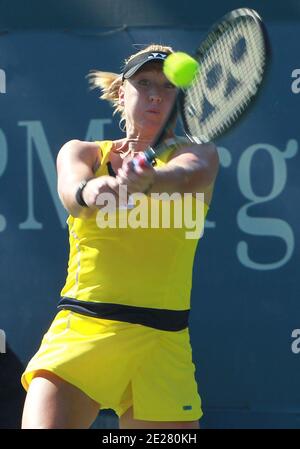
(245, 325)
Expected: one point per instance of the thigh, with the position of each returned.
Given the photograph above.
(127, 421)
(52, 403)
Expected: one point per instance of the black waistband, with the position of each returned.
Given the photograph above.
(163, 319)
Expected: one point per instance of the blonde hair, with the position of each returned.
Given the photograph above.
(109, 83)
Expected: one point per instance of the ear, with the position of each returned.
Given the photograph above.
(121, 95)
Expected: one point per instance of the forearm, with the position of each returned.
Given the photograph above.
(188, 172)
(181, 178)
(89, 193)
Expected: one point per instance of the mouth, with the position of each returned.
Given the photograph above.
(153, 111)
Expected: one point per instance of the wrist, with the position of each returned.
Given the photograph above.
(79, 193)
(151, 184)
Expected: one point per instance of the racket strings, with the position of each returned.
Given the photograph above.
(232, 66)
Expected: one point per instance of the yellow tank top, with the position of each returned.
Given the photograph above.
(143, 267)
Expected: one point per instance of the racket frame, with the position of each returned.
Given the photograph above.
(212, 36)
(177, 108)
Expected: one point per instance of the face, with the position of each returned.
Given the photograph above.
(147, 98)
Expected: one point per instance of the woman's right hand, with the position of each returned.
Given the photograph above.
(97, 186)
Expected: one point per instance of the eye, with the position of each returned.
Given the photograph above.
(143, 82)
(169, 85)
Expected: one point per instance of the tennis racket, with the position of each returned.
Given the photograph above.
(233, 59)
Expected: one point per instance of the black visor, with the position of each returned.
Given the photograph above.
(138, 61)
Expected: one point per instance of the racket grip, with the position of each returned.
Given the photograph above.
(145, 159)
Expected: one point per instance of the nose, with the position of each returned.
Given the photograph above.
(154, 97)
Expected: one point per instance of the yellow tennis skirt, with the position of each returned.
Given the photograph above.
(120, 365)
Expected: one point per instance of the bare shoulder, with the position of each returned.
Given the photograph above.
(78, 146)
(206, 153)
(186, 146)
(79, 150)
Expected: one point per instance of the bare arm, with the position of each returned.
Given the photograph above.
(191, 169)
(76, 161)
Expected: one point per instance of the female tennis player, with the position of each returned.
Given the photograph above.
(120, 339)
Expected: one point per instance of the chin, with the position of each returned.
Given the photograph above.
(155, 122)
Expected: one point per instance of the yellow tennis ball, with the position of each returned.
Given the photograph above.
(180, 68)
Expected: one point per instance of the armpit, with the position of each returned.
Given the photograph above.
(97, 162)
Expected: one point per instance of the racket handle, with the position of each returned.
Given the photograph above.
(145, 159)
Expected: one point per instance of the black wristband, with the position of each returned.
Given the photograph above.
(78, 195)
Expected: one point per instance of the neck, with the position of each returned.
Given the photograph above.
(137, 144)
(131, 146)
